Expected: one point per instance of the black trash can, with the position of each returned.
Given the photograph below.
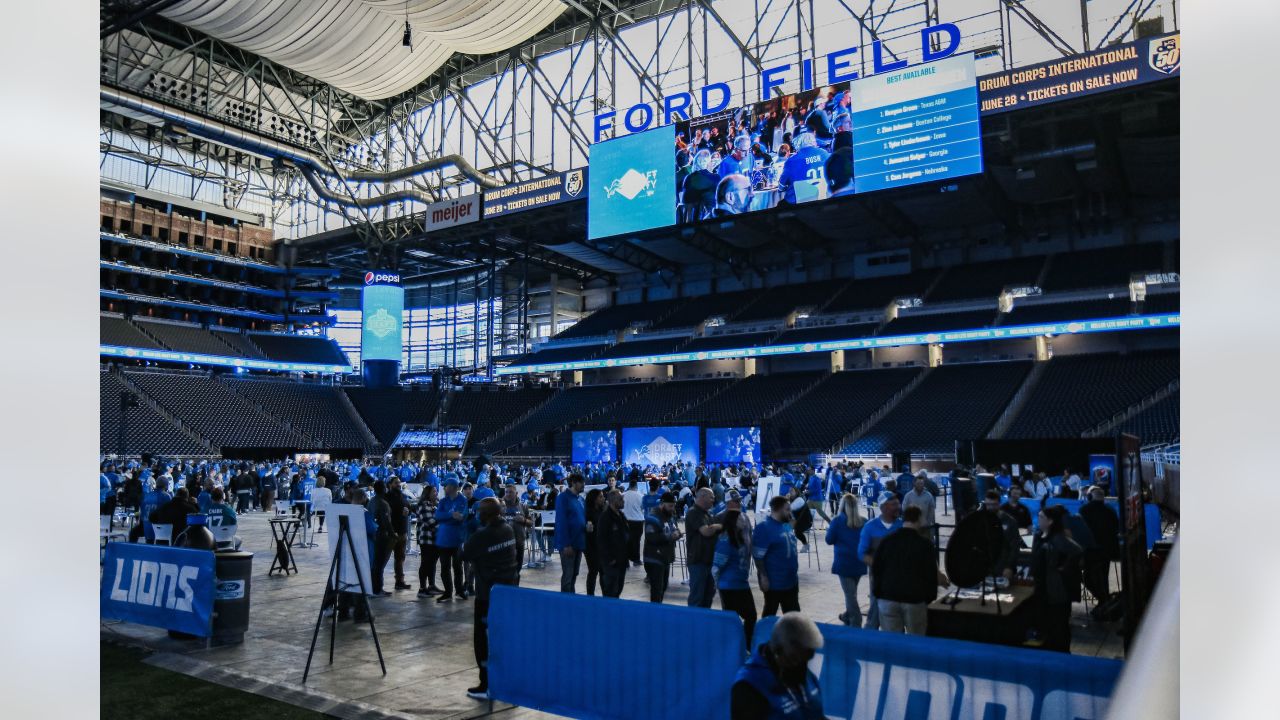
(233, 569)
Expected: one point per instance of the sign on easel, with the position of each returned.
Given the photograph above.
(765, 490)
(347, 567)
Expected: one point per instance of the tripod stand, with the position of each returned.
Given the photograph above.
(334, 583)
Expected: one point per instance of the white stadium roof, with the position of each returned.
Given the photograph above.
(355, 45)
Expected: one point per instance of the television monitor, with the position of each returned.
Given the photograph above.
(594, 446)
(660, 445)
(634, 184)
(733, 444)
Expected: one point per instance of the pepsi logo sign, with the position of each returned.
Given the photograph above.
(371, 278)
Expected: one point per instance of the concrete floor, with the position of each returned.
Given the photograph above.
(427, 646)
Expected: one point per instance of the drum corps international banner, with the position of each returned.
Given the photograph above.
(156, 585)
(882, 676)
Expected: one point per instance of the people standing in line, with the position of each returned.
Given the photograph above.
(428, 552)
(843, 535)
(491, 549)
(1104, 525)
(731, 570)
(633, 510)
(451, 513)
(920, 497)
(613, 544)
(1055, 567)
(594, 506)
(399, 506)
(520, 519)
(701, 530)
(773, 546)
(776, 683)
(905, 576)
(571, 532)
(660, 537)
(872, 533)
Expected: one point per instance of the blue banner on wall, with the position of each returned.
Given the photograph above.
(156, 585)
(883, 676)
(590, 657)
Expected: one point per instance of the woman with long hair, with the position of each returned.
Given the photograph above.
(595, 506)
(843, 534)
(1055, 566)
(731, 568)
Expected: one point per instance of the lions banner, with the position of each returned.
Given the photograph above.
(882, 676)
(161, 586)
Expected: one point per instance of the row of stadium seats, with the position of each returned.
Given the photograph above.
(151, 335)
(909, 322)
(800, 412)
(1076, 270)
(1077, 393)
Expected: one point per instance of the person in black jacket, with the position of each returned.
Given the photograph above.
(1016, 509)
(1105, 528)
(492, 551)
(594, 507)
(905, 577)
(400, 524)
(1055, 566)
(175, 512)
(613, 546)
(380, 509)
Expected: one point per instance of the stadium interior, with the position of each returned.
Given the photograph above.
(267, 167)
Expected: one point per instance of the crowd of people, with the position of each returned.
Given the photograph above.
(475, 522)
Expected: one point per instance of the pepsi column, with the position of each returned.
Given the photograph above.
(381, 328)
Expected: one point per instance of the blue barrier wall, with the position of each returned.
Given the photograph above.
(593, 657)
(873, 675)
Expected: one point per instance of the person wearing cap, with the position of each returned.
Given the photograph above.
(872, 533)
(571, 532)
(492, 551)
(660, 537)
(451, 512)
(776, 683)
(773, 546)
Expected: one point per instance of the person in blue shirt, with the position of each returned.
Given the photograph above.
(651, 498)
(773, 545)
(451, 512)
(786, 482)
(815, 495)
(905, 482)
(740, 161)
(204, 500)
(104, 488)
(152, 501)
(731, 568)
(483, 490)
(776, 683)
(872, 533)
(571, 532)
(807, 164)
(844, 534)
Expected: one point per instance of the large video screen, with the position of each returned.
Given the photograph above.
(733, 445)
(426, 438)
(381, 321)
(916, 125)
(595, 446)
(660, 445)
(913, 125)
(634, 184)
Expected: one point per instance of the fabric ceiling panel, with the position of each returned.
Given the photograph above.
(355, 45)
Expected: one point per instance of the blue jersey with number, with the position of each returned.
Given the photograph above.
(807, 164)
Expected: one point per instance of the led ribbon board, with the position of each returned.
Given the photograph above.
(218, 360)
(1077, 327)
